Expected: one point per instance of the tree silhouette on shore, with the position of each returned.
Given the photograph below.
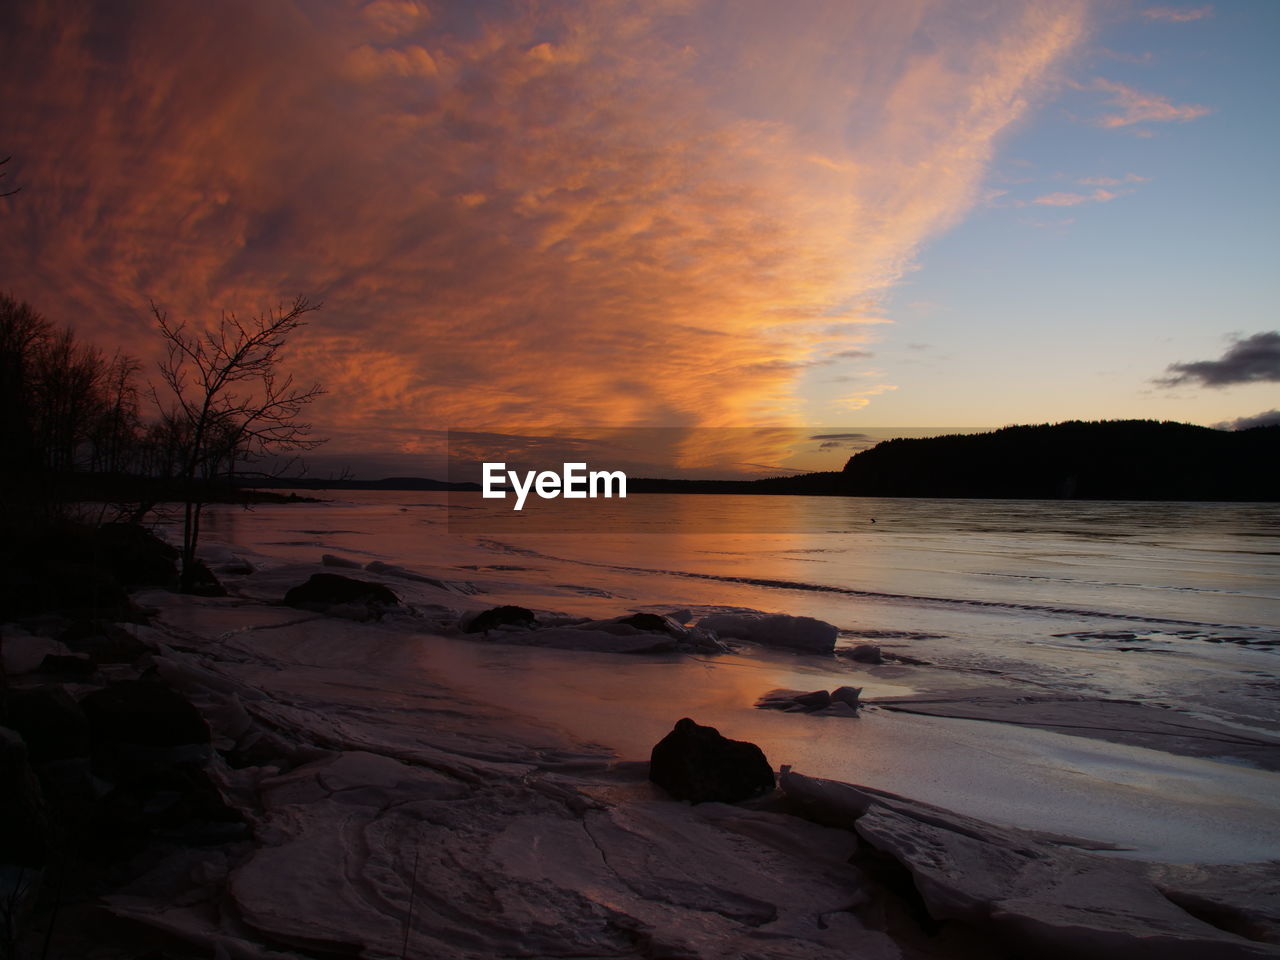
(225, 401)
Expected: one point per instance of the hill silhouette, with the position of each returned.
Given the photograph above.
(1099, 460)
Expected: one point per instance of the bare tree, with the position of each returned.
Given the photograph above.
(7, 193)
(227, 403)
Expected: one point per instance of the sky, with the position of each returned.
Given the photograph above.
(536, 217)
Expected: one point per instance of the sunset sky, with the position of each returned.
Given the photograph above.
(524, 216)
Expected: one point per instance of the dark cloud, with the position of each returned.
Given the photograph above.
(1255, 359)
(1268, 418)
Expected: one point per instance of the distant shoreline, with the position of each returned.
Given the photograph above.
(1125, 460)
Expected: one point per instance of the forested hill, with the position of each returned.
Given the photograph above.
(1103, 460)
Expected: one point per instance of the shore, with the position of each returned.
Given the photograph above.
(389, 812)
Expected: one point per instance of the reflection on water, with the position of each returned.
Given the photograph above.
(1169, 603)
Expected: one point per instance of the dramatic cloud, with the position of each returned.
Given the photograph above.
(1177, 15)
(1255, 359)
(516, 214)
(1134, 106)
(1269, 418)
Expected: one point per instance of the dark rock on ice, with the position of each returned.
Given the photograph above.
(838, 708)
(866, 653)
(653, 623)
(841, 702)
(778, 630)
(696, 763)
(847, 695)
(236, 567)
(500, 616)
(815, 700)
(325, 591)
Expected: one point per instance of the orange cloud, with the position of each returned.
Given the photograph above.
(1133, 106)
(1072, 199)
(572, 212)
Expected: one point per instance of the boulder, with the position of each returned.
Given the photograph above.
(866, 653)
(838, 708)
(653, 623)
(813, 701)
(325, 590)
(146, 712)
(840, 702)
(778, 630)
(696, 763)
(499, 617)
(847, 695)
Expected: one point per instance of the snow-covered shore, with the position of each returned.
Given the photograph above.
(394, 815)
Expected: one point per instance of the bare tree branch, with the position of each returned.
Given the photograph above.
(7, 193)
(228, 403)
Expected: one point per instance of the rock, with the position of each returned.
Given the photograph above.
(500, 616)
(653, 623)
(778, 699)
(696, 763)
(813, 701)
(838, 708)
(49, 720)
(779, 630)
(681, 616)
(143, 712)
(325, 590)
(841, 702)
(866, 653)
(847, 695)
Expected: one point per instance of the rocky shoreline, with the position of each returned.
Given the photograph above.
(242, 776)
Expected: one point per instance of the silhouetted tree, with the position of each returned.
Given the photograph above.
(22, 333)
(228, 403)
(7, 193)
